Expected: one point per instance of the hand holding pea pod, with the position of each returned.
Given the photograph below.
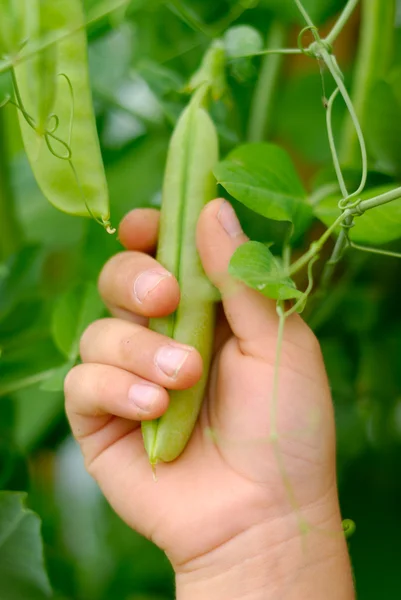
(225, 493)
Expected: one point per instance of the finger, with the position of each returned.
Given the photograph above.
(136, 283)
(251, 316)
(139, 230)
(94, 392)
(148, 354)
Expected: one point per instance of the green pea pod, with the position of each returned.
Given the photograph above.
(41, 19)
(189, 184)
(12, 31)
(63, 149)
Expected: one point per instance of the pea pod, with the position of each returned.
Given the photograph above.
(57, 117)
(189, 184)
(42, 72)
(11, 26)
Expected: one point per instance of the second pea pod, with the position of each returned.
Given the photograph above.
(56, 114)
(189, 184)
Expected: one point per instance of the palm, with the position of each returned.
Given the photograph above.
(229, 470)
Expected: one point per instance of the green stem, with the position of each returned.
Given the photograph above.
(261, 109)
(342, 241)
(302, 300)
(316, 247)
(189, 17)
(337, 255)
(304, 13)
(276, 380)
(373, 61)
(332, 65)
(10, 233)
(342, 21)
(378, 201)
(371, 250)
(284, 51)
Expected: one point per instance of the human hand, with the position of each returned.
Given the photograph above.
(232, 501)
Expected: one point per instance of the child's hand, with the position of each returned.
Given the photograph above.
(224, 512)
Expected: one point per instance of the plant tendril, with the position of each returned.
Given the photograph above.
(300, 304)
(371, 250)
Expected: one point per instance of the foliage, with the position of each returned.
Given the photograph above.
(141, 56)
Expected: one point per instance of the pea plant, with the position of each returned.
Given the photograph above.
(218, 88)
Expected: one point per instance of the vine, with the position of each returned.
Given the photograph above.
(351, 206)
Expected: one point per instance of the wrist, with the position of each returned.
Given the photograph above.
(273, 560)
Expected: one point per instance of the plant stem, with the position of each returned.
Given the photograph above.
(304, 13)
(317, 246)
(379, 200)
(379, 251)
(338, 252)
(285, 51)
(374, 56)
(342, 21)
(342, 241)
(261, 110)
(276, 380)
(10, 233)
(332, 65)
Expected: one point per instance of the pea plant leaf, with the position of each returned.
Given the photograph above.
(263, 178)
(256, 266)
(22, 569)
(74, 311)
(31, 359)
(377, 226)
(19, 278)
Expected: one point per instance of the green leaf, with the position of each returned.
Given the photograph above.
(255, 265)
(242, 40)
(55, 383)
(30, 360)
(22, 569)
(7, 450)
(19, 278)
(262, 177)
(378, 226)
(73, 313)
(38, 413)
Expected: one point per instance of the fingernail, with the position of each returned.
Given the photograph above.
(229, 220)
(170, 360)
(146, 282)
(144, 396)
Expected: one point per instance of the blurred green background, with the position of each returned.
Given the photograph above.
(140, 58)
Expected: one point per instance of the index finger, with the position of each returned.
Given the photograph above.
(139, 230)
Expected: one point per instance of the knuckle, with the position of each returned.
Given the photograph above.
(109, 268)
(90, 335)
(115, 270)
(70, 382)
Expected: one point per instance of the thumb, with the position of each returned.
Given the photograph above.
(251, 316)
